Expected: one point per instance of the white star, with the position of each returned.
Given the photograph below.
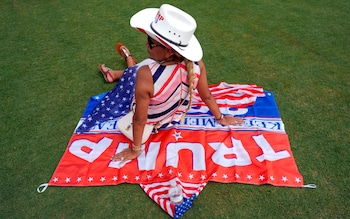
(272, 178)
(67, 180)
(79, 179)
(225, 176)
(102, 179)
(190, 176)
(237, 176)
(55, 179)
(91, 179)
(261, 177)
(249, 177)
(170, 171)
(125, 177)
(177, 135)
(160, 175)
(148, 176)
(203, 177)
(214, 175)
(179, 174)
(297, 180)
(115, 178)
(137, 178)
(284, 179)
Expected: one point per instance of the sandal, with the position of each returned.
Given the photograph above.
(123, 51)
(106, 74)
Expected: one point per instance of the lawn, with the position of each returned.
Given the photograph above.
(297, 49)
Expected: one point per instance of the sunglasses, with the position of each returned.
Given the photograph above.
(152, 44)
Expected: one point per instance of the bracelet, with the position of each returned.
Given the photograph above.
(136, 148)
(221, 117)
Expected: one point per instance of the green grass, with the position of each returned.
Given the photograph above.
(49, 56)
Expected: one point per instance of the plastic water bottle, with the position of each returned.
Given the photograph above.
(175, 193)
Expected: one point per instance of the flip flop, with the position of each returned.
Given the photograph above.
(123, 51)
(107, 73)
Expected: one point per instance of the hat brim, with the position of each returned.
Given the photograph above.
(142, 21)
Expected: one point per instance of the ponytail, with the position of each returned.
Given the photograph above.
(191, 77)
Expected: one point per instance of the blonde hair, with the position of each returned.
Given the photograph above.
(191, 77)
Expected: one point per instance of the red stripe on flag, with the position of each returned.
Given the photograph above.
(159, 193)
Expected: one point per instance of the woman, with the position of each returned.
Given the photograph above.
(165, 82)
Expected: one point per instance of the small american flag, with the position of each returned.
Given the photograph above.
(159, 193)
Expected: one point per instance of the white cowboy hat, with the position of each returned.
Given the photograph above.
(172, 27)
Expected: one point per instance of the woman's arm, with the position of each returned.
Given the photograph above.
(208, 99)
(205, 93)
(143, 92)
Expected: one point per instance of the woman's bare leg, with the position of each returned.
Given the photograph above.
(130, 61)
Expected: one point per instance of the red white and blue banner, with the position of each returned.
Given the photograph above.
(193, 153)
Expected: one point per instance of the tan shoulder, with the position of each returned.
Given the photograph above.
(144, 81)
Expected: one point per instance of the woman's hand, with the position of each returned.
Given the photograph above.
(126, 154)
(230, 120)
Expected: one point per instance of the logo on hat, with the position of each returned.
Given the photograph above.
(158, 17)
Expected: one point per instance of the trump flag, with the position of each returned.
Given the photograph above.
(192, 153)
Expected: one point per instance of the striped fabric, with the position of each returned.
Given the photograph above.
(171, 87)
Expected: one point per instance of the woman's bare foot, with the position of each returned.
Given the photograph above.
(125, 53)
(109, 74)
